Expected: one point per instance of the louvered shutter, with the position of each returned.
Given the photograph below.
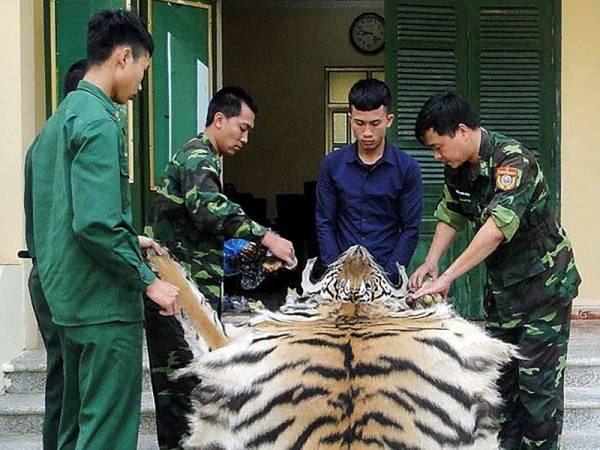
(516, 84)
(427, 54)
(430, 57)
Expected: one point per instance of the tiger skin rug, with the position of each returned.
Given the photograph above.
(354, 363)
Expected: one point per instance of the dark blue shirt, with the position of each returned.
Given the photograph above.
(377, 206)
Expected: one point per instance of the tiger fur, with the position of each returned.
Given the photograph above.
(350, 366)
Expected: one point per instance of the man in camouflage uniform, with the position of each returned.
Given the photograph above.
(192, 218)
(496, 183)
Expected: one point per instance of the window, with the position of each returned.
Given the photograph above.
(338, 81)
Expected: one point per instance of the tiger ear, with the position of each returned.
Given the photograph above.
(402, 279)
(309, 288)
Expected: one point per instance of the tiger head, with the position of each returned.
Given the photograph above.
(354, 278)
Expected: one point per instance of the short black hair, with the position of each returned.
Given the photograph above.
(369, 94)
(228, 101)
(74, 75)
(112, 27)
(443, 113)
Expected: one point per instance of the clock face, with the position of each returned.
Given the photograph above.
(367, 32)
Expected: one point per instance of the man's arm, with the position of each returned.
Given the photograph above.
(212, 212)
(487, 239)
(442, 239)
(98, 220)
(279, 247)
(517, 178)
(410, 220)
(327, 215)
(450, 220)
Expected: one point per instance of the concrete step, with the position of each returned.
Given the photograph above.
(26, 374)
(583, 371)
(577, 440)
(582, 409)
(583, 361)
(34, 442)
(24, 414)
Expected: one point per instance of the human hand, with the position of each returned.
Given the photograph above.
(424, 270)
(164, 295)
(146, 242)
(279, 247)
(440, 286)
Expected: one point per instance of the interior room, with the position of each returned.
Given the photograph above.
(297, 60)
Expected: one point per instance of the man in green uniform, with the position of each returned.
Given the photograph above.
(192, 218)
(48, 330)
(496, 183)
(88, 255)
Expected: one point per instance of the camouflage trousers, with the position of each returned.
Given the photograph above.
(533, 388)
(167, 352)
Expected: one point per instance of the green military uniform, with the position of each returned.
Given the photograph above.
(192, 218)
(532, 280)
(90, 267)
(49, 331)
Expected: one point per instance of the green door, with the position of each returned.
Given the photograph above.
(502, 55)
(67, 36)
(180, 80)
(172, 106)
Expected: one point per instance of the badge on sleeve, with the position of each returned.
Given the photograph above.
(506, 178)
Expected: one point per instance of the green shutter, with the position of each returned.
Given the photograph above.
(428, 59)
(427, 54)
(515, 89)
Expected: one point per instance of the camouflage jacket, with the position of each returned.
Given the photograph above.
(192, 217)
(534, 265)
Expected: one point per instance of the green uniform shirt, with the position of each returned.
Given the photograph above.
(192, 217)
(78, 213)
(534, 266)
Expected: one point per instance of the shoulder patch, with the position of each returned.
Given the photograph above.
(506, 178)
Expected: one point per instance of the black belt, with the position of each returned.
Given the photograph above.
(24, 254)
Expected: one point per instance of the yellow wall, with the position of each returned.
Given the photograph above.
(21, 114)
(279, 57)
(580, 123)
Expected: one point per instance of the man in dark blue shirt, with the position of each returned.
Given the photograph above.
(369, 192)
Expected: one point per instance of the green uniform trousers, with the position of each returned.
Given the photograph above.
(103, 386)
(168, 351)
(533, 388)
(54, 361)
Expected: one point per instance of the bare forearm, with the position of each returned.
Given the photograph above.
(487, 239)
(442, 239)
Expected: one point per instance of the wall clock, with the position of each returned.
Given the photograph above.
(367, 32)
